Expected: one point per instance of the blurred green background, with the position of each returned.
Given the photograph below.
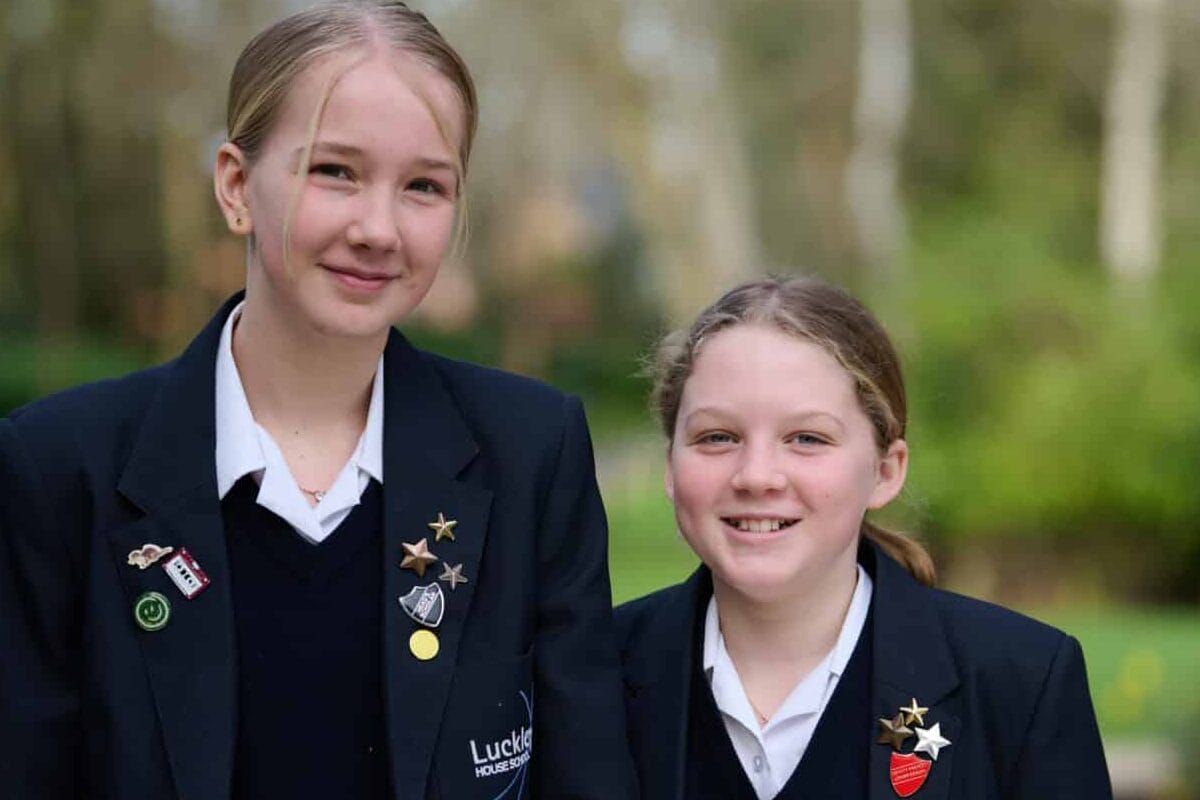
(1011, 184)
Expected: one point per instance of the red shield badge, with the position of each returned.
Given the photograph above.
(908, 773)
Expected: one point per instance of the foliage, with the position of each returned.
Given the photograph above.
(29, 368)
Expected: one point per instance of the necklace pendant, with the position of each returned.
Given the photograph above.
(318, 496)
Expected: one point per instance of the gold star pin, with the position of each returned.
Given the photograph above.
(443, 528)
(452, 575)
(893, 732)
(417, 557)
(914, 713)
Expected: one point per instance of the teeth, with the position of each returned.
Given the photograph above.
(761, 525)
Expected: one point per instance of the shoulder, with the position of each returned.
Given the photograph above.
(992, 637)
(631, 618)
(1024, 691)
(1015, 667)
(511, 416)
(660, 623)
(981, 638)
(86, 417)
(482, 388)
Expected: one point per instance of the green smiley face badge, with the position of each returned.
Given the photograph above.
(151, 611)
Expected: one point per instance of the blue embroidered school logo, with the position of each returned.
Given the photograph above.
(510, 754)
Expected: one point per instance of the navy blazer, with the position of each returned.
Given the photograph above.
(1010, 693)
(92, 706)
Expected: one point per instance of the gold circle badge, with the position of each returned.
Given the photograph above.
(424, 645)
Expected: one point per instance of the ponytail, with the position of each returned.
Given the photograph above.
(911, 555)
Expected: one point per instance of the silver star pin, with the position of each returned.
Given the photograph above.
(930, 740)
(453, 575)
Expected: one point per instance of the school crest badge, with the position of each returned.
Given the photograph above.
(425, 605)
(908, 773)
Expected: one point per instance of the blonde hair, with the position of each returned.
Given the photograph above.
(273, 60)
(830, 318)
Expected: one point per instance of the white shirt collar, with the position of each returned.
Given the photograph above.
(811, 693)
(243, 447)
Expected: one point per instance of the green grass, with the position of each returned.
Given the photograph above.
(1142, 666)
(1141, 662)
(645, 553)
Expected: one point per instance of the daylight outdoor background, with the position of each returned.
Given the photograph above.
(1012, 184)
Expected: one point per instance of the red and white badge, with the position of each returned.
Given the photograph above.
(186, 573)
(908, 773)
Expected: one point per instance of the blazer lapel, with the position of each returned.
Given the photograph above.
(911, 661)
(659, 686)
(426, 445)
(191, 662)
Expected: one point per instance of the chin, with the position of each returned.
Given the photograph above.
(349, 322)
(761, 582)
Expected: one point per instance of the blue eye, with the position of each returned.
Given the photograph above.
(427, 186)
(330, 171)
(715, 437)
(808, 439)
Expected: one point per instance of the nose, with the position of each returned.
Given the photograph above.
(376, 226)
(759, 469)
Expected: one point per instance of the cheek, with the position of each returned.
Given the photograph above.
(693, 487)
(856, 485)
(428, 235)
(840, 482)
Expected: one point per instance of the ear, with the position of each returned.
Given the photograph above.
(229, 184)
(890, 475)
(669, 478)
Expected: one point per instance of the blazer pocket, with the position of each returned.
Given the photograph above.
(486, 739)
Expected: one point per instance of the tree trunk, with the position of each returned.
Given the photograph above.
(698, 205)
(1130, 227)
(43, 144)
(873, 171)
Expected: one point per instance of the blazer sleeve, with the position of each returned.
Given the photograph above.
(1061, 756)
(579, 720)
(39, 637)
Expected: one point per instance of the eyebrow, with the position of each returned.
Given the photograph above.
(352, 151)
(801, 417)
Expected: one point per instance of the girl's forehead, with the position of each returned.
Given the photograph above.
(365, 79)
(751, 360)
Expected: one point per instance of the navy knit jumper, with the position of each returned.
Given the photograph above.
(833, 766)
(310, 702)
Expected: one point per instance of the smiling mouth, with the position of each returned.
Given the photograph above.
(360, 275)
(759, 525)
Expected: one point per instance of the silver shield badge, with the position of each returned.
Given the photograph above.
(425, 604)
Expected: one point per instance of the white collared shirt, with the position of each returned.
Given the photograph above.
(245, 448)
(769, 755)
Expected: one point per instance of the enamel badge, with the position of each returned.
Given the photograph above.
(908, 773)
(151, 611)
(424, 645)
(147, 555)
(425, 605)
(186, 574)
